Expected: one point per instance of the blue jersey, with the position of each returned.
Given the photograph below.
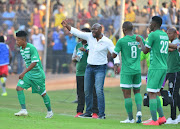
(4, 54)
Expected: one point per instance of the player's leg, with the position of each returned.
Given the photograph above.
(152, 88)
(126, 84)
(3, 77)
(38, 86)
(47, 104)
(3, 85)
(138, 98)
(22, 84)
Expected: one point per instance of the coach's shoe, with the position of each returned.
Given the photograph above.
(85, 115)
(161, 120)
(178, 118)
(49, 114)
(79, 113)
(152, 123)
(138, 117)
(102, 117)
(128, 121)
(22, 112)
(95, 115)
(170, 121)
(4, 94)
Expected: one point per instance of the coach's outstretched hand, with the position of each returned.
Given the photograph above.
(66, 25)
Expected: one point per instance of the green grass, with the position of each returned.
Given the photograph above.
(65, 110)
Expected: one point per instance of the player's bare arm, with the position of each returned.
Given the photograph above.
(31, 66)
(114, 55)
(143, 47)
(174, 46)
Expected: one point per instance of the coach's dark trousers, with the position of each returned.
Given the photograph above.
(174, 85)
(81, 96)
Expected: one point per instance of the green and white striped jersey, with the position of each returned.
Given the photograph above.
(30, 55)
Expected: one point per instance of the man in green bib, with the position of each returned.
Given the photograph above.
(173, 75)
(33, 76)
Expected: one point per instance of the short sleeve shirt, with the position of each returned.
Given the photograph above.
(30, 55)
(158, 42)
(130, 53)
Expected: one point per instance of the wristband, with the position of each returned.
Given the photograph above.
(86, 50)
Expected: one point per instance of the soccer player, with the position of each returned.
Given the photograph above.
(33, 76)
(130, 70)
(158, 44)
(5, 59)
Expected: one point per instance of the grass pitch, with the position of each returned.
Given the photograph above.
(64, 111)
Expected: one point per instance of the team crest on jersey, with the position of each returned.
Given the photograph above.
(21, 82)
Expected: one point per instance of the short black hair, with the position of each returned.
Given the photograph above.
(21, 33)
(128, 25)
(2, 39)
(86, 29)
(157, 19)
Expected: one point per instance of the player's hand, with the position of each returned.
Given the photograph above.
(64, 23)
(82, 49)
(138, 39)
(21, 76)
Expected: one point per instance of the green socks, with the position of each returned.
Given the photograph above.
(153, 108)
(138, 100)
(47, 102)
(21, 99)
(159, 106)
(128, 106)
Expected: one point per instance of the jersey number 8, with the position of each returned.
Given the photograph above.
(133, 52)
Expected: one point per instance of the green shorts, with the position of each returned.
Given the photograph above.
(155, 79)
(130, 81)
(38, 85)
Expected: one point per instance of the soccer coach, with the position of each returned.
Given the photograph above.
(99, 45)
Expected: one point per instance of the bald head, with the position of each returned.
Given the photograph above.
(96, 30)
(97, 25)
(173, 30)
(172, 34)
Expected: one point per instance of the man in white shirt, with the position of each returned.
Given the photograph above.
(38, 40)
(99, 45)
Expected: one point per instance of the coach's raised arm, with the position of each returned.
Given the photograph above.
(76, 32)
